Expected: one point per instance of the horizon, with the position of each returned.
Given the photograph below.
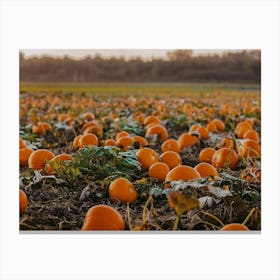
(126, 53)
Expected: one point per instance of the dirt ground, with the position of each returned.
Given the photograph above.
(55, 205)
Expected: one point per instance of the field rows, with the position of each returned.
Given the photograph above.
(157, 161)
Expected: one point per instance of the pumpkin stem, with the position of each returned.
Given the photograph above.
(145, 209)
(214, 217)
(175, 226)
(128, 216)
(249, 216)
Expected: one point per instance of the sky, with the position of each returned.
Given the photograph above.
(80, 53)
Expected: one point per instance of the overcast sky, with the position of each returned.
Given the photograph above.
(144, 53)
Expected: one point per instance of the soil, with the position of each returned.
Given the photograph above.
(57, 206)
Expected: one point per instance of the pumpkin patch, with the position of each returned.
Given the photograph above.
(108, 161)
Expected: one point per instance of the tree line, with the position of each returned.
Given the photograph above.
(178, 66)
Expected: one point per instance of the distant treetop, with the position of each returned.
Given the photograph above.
(180, 66)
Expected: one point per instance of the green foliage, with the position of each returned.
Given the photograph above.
(131, 126)
(178, 122)
(98, 90)
(253, 115)
(98, 163)
(33, 141)
(156, 191)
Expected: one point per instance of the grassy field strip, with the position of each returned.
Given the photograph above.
(145, 89)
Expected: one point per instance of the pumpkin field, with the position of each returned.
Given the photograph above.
(151, 157)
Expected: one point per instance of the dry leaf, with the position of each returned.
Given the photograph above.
(181, 203)
(219, 192)
(206, 201)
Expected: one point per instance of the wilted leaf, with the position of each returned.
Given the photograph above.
(99, 195)
(181, 202)
(181, 185)
(219, 192)
(206, 201)
(232, 178)
(156, 191)
(39, 177)
(251, 174)
(252, 196)
(85, 193)
(167, 191)
(61, 125)
(28, 173)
